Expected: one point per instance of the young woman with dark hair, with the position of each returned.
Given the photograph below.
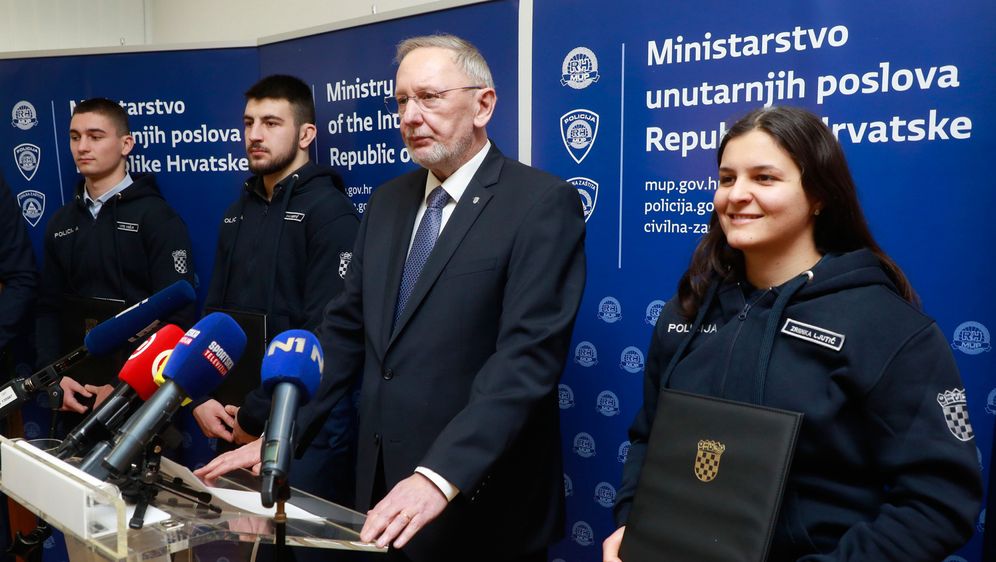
(881, 471)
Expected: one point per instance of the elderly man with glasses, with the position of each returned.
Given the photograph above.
(457, 314)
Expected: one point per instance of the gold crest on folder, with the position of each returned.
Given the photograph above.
(707, 459)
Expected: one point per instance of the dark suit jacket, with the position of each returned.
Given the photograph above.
(466, 382)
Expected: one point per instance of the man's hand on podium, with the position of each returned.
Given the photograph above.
(246, 456)
(408, 507)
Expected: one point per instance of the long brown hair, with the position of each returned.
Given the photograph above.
(840, 226)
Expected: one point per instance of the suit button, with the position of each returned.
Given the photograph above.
(388, 374)
(376, 439)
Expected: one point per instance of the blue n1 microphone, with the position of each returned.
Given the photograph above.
(291, 372)
(131, 325)
(198, 364)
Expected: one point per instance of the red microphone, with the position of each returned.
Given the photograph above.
(136, 386)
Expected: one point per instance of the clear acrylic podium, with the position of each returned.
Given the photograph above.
(94, 517)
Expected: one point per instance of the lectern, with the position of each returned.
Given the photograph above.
(95, 518)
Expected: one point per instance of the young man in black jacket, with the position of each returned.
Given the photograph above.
(283, 250)
(117, 239)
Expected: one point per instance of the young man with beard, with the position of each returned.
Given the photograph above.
(283, 251)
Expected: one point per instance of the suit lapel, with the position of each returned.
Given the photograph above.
(475, 198)
(402, 224)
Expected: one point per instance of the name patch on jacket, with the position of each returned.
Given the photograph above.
(128, 226)
(813, 334)
(293, 216)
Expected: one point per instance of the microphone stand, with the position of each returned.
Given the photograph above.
(142, 484)
(280, 538)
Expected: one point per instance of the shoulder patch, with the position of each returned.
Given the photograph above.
(955, 408)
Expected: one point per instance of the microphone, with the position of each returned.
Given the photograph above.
(291, 372)
(197, 365)
(131, 325)
(136, 386)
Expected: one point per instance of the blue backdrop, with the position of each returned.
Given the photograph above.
(629, 99)
(628, 104)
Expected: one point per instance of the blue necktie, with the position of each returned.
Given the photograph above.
(425, 239)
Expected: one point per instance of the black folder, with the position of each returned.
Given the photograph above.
(244, 376)
(79, 315)
(712, 481)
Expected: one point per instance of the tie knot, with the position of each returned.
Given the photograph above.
(438, 198)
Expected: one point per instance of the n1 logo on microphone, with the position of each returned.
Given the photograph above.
(296, 345)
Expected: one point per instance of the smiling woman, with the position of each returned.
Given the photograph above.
(808, 314)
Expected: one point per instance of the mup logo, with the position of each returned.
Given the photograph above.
(971, 338)
(23, 116)
(579, 69)
(578, 129)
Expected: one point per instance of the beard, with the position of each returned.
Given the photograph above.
(276, 163)
(440, 154)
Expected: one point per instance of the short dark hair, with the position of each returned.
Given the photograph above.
(110, 109)
(840, 226)
(290, 88)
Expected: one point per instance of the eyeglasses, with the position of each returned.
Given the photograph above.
(428, 101)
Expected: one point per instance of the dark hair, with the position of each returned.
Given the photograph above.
(110, 109)
(290, 88)
(840, 226)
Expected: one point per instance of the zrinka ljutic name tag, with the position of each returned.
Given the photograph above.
(813, 334)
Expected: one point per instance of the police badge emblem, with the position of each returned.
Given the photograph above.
(32, 205)
(23, 116)
(588, 191)
(955, 407)
(27, 156)
(579, 69)
(344, 259)
(707, 459)
(578, 129)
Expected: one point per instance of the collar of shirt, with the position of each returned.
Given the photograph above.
(454, 185)
(94, 205)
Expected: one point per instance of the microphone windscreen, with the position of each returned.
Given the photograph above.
(294, 356)
(205, 354)
(114, 332)
(139, 370)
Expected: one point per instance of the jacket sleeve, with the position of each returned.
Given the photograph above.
(658, 358)
(18, 275)
(543, 288)
(341, 335)
(329, 248)
(54, 283)
(934, 486)
(170, 260)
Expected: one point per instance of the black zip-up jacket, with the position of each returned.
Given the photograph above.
(880, 471)
(136, 246)
(18, 275)
(286, 257)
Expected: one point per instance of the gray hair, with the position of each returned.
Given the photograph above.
(465, 54)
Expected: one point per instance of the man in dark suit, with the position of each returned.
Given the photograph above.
(460, 340)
